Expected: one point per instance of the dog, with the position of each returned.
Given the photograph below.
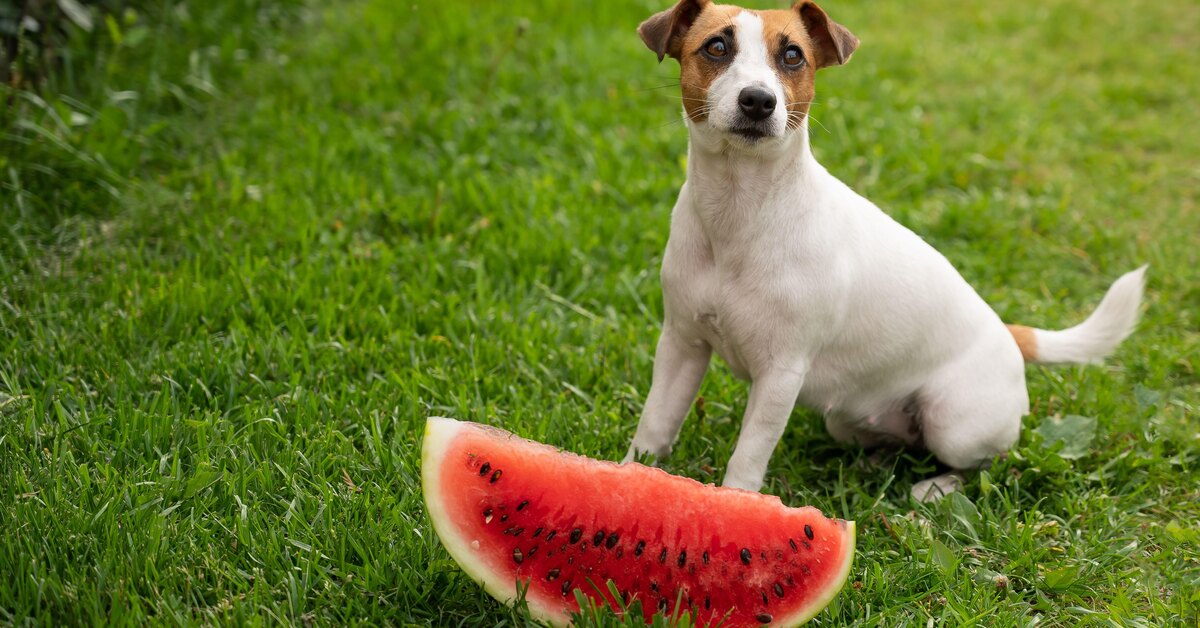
(810, 291)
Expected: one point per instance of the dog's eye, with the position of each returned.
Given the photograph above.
(716, 47)
(793, 57)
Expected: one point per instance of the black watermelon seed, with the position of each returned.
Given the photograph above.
(576, 534)
(550, 537)
(521, 506)
(792, 542)
(504, 517)
(766, 600)
(487, 515)
(808, 531)
(495, 476)
(662, 557)
(487, 466)
(764, 618)
(654, 586)
(611, 542)
(566, 587)
(641, 547)
(662, 604)
(509, 531)
(745, 556)
(518, 556)
(598, 538)
(570, 560)
(704, 556)
(538, 532)
(552, 575)
(778, 589)
(532, 551)
(707, 603)
(682, 558)
(518, 531)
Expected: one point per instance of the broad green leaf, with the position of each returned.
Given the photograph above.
(1181, 533)
(1061, 578)
(1075, 432)
(1146, 397)
(943, 556)
(985, 482)
(964, 512)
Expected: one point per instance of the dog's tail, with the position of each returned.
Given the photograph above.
(1094, 338)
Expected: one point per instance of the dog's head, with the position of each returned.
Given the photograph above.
(747, 75)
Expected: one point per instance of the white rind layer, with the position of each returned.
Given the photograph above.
(440, 433)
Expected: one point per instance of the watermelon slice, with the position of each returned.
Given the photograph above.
(514, 512)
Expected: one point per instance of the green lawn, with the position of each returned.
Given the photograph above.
(317, 230)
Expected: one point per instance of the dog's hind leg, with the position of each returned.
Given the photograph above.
(937, 487)
(899, 425)
(970, 414)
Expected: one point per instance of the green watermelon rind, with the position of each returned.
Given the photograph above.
(440, 433)
(820, 603)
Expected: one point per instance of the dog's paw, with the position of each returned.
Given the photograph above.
(935, 488)
(647, 458)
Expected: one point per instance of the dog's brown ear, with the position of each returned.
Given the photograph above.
(663, 32)
(834, 43)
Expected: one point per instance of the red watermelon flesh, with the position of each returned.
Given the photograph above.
(511, 510)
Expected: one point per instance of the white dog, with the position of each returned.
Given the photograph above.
(809, 290)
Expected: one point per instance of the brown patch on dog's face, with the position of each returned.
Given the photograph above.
(706, 50)
(791, 51)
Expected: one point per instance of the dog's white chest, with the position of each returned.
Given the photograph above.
(707, 304)
(712, 322)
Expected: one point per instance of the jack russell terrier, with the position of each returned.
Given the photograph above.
(809, 290)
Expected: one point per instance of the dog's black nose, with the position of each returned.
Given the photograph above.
(757, 103)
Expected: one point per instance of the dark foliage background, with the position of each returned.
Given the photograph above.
(36, 33)
(85, 87)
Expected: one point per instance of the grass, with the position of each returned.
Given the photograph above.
(213, 377)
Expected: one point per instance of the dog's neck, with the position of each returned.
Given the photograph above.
(737, 193)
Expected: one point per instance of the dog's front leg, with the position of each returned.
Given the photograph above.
(772, 397)
(679, 367)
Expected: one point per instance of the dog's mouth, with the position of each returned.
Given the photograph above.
(751, 133)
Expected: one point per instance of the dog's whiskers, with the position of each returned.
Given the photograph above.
(650, 89)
